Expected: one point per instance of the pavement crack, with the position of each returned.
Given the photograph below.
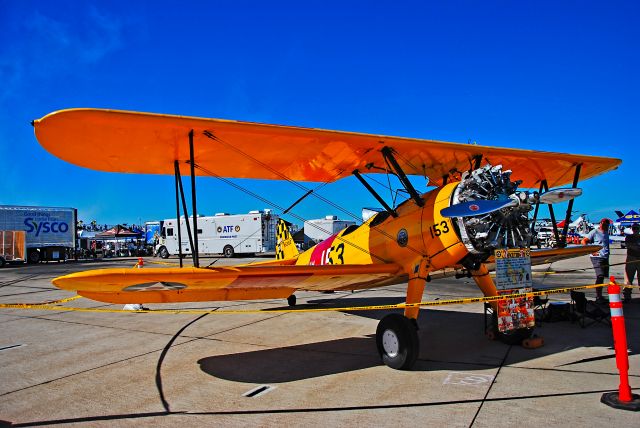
(484, 399)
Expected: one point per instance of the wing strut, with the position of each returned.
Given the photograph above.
(388, 155)
(556, 235)
(193, 237)
(567, 217)
(535, 216)
(196, 260)
(179, 187)
(374, 193)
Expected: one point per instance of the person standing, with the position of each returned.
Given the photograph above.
(632, 266)
(600, 259)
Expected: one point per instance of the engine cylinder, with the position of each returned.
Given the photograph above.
(505, 228)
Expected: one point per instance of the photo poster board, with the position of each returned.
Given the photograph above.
(513, 276)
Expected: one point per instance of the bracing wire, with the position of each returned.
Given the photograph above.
(213, 137)
(296, 216)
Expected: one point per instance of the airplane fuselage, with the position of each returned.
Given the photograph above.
(415, 234)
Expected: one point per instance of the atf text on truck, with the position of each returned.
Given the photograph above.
(50, 231)
(222, 234)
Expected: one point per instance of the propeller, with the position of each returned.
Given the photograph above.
(473, 208)
(484, 206)
(560, 195)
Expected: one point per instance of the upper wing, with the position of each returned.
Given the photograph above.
(158, 285)
(120, 141)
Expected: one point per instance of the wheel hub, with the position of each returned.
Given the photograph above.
(390, 343)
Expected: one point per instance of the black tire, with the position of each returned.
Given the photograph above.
(163, 253)
(291, 300)
(397, 341)
(2, 262)
(228, 251)
(34, 256)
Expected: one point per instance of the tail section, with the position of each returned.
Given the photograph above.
(285, 247)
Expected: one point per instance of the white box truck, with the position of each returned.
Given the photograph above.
(252, 233)
(50, 231)
(316, 231)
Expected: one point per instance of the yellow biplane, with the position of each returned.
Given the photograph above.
(475, 208)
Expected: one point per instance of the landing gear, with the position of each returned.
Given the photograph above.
(397, 341)
(291, 300)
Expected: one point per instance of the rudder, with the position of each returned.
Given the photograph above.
(285, 247)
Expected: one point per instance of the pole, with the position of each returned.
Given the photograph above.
(623, 399)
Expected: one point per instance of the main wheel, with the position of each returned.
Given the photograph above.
(291, 300)
(228, 251)
(397, 341)
(163, 253)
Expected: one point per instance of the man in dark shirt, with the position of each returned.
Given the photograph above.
(632, 242)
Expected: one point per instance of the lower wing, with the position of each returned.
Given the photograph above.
(158, 285)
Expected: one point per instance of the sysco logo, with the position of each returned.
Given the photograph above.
(45, 226)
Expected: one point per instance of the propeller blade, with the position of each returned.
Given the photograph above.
(560, 195)
(473, 208)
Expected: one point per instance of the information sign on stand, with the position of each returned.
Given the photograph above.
(513, 276)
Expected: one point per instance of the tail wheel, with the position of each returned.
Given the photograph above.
(228, 251)
(397, 341)
(291, 300)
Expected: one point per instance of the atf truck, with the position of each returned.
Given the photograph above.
(50, 231)
(222, 234)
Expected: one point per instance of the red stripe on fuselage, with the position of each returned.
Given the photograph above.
(321, 252)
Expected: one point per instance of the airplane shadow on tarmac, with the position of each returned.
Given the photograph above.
(449, 340)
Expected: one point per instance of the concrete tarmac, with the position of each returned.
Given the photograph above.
(119, 369)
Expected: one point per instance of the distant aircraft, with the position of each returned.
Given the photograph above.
(475, 209)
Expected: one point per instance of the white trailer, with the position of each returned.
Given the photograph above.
(50, 231)
(316, 231)
(252, 233)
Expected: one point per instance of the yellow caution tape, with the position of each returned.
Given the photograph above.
(48, 305)
(39, 305)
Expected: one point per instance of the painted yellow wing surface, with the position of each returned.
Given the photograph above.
(145, 143)
(158, 285)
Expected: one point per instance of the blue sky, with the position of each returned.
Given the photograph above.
(546, 75)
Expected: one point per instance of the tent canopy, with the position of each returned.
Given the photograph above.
(629, 219)
(118, 231)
